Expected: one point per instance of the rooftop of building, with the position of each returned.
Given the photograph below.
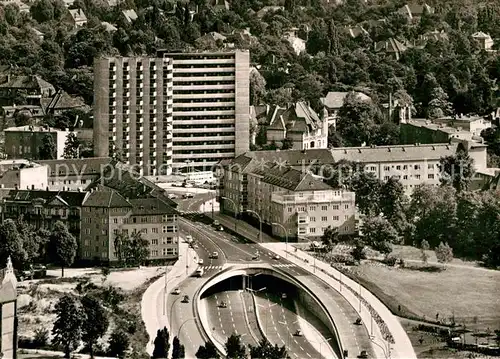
(105, 198)
(130, 15)
(367, 154)
(62, 101)
(298, 117)
(78, 15)
(335, 99)
(289, 178)
(30, 82)
(77, 167)
(438, 127)
(57, 198)
(150, 207)
(30, 128)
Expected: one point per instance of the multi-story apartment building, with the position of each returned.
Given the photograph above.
(413, 165)
(27, 141)
(286, 199)
(8, 308)
(75, 174)
(22, 174)
(106, 213)
(211, 102)
(42, 209)
(133, 111)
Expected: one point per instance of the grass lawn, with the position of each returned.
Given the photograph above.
(465, 291)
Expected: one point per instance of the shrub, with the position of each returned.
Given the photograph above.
(390, 261)
(41, 339)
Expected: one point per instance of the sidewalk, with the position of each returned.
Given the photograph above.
(153, 311)
(401, 348)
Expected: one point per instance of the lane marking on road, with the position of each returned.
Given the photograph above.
(309, 355)
(223, 331)
(301, 348)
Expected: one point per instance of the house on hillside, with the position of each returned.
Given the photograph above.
(212, 40)
(334, 101)
(76, 17)
(8, 308)
(218, 5)
(299, 124)
(62, 102)
(298, 44)
(356, 31)
(109, 28)
(413, 12)
(262, 12)
(391, 47)
(129, 16)
(31, 88)
(484, 40)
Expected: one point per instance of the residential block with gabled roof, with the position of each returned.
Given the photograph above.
(391, 47)
(413, 12)
(285, 196)
(484, 40)
(106, 214)
(32, 87)
(413, 165)
(333, 101)
(300, 124)
(76, 18)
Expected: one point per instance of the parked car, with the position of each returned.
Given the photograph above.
(176, 291)
(220, 229)
(185, 299)
(256, 256)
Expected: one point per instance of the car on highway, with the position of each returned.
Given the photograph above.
(172, 196)
(276, 257)
(223, 304)
(185, 299)
(256, 256)
(298, 333)
(220, 228)
(215, 255)
(176, 291)
(195, 246)
(363, 354)
(187, 195)
(200, 261)
(189, 238)
(199, 272)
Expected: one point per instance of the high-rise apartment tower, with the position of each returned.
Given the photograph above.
(186, 111)
(210, 107)
(133, 111)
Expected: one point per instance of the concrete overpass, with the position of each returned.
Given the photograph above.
(334, 312)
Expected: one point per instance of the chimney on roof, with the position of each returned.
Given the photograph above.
(15, 187)
(47, 188)
(33, 187)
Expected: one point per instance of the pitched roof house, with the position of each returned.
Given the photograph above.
(219, 4)
(356, 31)
(391, 47)
(33, 87)
(485, 41)
(300, 124)
(413, 12)
(76, 17)
(129, 16)
(334, 101)
(211, 40)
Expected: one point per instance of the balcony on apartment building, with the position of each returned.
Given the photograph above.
(314, 197)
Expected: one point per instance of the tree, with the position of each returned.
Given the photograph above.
(444, 253)
(457, 170)
(391, 203)
(358, 252)
(330, 237)
(118, 344)
(161, 343)
(424, 246)
(379, 233)
(207, 351)
(21, 118)
(11, 244)
(135, 249)
(96, 322)
(234, 348)
(178, 351)
(257, 87)
(67, 329)
(72, 146)
(47, 149)
(33, 241)
(438, 106)
(63, 245)
(268, 351)
(367, 188)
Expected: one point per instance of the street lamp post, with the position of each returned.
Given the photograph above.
(267, 316)
(260, 223)
(235, 212)
(286, 236)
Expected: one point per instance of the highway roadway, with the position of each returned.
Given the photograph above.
(225, 321)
